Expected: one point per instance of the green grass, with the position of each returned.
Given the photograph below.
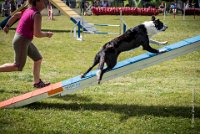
(157, 99)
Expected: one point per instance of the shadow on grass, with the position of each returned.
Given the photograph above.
(74, 97)
(127, 111)
(11, 91)
(52, 30)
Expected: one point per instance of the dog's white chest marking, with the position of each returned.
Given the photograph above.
(151, 29)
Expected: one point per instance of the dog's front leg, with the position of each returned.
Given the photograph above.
(96, 61)
(147, 47)
(157, 42)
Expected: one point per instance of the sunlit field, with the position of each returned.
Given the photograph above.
(157, 99)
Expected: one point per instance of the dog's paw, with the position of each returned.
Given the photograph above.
(99, 82)
(162, 51)
(163, 43)
(82, 76)
(98, 73)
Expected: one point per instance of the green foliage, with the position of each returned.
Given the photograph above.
(154, 100)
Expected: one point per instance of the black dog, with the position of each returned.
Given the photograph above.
(131, 39)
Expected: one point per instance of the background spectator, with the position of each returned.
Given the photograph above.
(13, 5)
(162, 7)
(173, 7)
(19, 3)
(6, 8)
(82, 6)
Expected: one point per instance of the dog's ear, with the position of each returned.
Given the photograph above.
(156, 22)
(153, 18)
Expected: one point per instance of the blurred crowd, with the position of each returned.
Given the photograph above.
(9, 6)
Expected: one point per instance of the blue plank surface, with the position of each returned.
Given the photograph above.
(193, 39)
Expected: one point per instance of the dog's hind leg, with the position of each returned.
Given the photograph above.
(111, 61)
(99, 72)
(96, 61)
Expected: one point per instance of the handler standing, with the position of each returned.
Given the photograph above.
(28, 27)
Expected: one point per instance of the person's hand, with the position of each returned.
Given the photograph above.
(49, 34)
(6, 29)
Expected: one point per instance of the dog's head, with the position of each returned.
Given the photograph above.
(160, 26)
(154, 26)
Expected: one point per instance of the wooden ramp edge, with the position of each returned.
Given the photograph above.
(74, 17)
(65, 9)
(122, 68)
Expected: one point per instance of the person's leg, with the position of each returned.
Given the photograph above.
(36, 70)
(38, 83)
(20, 48)
(8, 67)
(34, 54)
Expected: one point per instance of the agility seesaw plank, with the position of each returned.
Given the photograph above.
(4, 22)
(74, 17)
(122, 68)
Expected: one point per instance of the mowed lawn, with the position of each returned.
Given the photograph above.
(157, 99)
